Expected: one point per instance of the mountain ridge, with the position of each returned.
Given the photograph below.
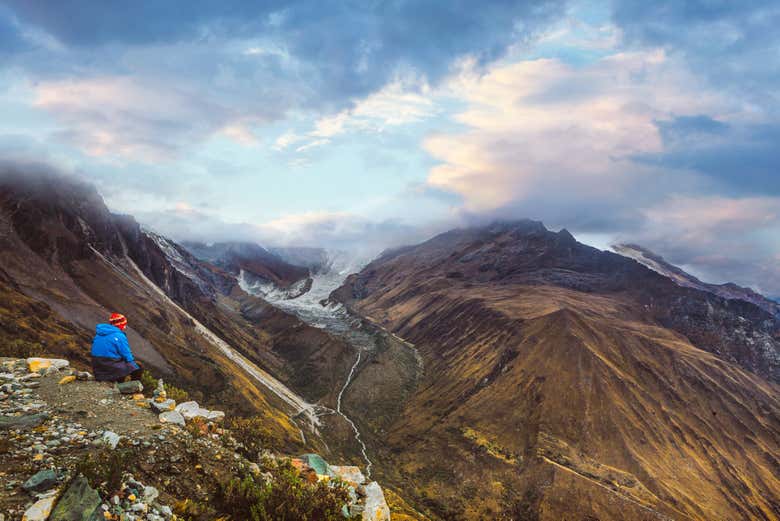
(565, 382)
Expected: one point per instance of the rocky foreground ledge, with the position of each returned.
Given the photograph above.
(67, 442)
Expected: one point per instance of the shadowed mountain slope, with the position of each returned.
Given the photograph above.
(728, 291)
(562, 382)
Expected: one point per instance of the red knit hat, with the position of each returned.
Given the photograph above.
(118, 320)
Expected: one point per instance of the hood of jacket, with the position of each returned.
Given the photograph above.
(107, 329)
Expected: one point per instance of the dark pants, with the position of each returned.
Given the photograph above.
(136, 375)
(115, 370)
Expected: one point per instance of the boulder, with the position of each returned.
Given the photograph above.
(84, 375)
(78, 503)
(43, 480)
(40, 510)
(376, 508)
(192, 410)
(35, 364)
(174, 417)
(319, 465)
(131, 387)
(350, 475)
(22, 422)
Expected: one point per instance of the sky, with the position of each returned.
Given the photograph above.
(375, 123)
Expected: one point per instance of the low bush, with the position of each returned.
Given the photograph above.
(283, 497)
(252, 434)
(150, 384)
(104, 469)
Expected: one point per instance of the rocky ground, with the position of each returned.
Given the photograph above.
(147, 457)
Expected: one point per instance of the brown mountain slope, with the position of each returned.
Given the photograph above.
(559, 385)
(64, 257)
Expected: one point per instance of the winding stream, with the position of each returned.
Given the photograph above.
(333, 318)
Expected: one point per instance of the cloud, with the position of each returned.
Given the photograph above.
(121, 116)
(734, 44)
(741, 157)
(354, 48)
(543, 130)
(720, 238)
(333, 230)
(633, 145)
(399, 103)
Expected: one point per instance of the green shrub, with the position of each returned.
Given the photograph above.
(284, 497)
(104, 469)
(150, 384)
(251, 433)
(174, 393)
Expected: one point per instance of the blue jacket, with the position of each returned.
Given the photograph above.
(111, 342)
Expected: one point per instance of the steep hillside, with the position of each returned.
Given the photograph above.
(562, 382)
(728, 291)
(66, 262)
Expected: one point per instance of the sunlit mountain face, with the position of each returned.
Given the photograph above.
(515, 260)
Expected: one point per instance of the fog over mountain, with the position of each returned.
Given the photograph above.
(349, 125)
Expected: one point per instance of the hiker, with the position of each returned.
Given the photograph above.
(112, 360)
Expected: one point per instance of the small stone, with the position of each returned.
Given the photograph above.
(166, 511)
(84, 375)
(40, 510)
(67, 380)
(138, 396)
(150, 494)
(43, 480)
(165, 405)
(110, 438)
(173, 417)
(131, 387)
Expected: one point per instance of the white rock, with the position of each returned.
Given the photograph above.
(349, 474)
(166, 511)
(40, 510)
(376, 506)
(188, 409)
(150, 494)
(110, 438)
(48, 363)
(139, 507)
(215, 416)
(174, 417)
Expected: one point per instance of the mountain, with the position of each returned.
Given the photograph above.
(728, 291)
(252, 258)
(66, 262)
(563, 382)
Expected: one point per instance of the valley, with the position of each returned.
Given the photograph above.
(499, 372)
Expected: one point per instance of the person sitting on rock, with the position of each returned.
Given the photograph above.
(112, 360)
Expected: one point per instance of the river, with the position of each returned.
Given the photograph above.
(333, 318)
